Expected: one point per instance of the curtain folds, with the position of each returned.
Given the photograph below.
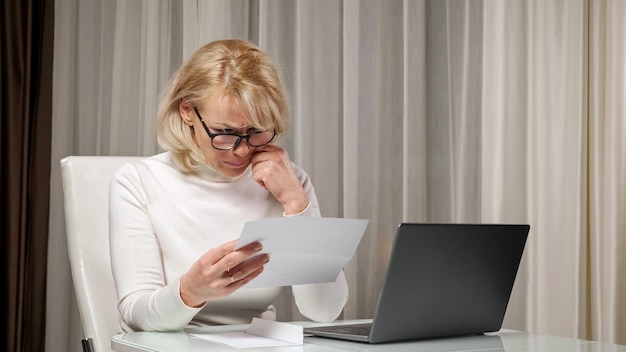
(26, 99)
(537, 127)
(606, 235)
(403, 110)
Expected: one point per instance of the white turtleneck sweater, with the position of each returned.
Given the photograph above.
(162, 221)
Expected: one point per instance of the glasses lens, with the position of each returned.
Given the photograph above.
(224, 141)
(260, 138)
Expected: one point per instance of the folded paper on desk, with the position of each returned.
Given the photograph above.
(303, 250)
(261, 333)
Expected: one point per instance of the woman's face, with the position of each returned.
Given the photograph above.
(221, 114)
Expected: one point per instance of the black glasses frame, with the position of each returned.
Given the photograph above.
(239, 137)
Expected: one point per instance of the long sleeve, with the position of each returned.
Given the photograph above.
(322, 302)
(146, 302)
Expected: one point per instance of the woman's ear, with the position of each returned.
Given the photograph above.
(186, 111)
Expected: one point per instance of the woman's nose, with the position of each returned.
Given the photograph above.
(242, 149)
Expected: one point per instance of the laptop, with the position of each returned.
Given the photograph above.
(442, 280)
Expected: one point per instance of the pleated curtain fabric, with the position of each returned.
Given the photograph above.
(26, 51)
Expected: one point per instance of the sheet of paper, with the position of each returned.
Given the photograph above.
(303, 250)
(261, 333)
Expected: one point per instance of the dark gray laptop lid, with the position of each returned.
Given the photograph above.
(448, 280)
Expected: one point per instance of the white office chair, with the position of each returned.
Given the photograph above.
(86, 195)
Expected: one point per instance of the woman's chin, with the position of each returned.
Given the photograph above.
(233, 170)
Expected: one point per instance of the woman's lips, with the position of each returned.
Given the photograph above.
(236, 164)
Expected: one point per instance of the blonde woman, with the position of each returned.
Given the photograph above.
(175, 217)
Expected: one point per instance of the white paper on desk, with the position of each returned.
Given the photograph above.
(303, 250)
(261, 333)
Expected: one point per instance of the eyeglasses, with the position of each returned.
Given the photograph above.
(228, 141)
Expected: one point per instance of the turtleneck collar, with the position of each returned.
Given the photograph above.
(207, 172)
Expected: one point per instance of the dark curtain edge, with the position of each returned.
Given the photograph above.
(39, 176)
(26, 71)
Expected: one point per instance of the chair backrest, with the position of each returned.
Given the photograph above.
(86, 196)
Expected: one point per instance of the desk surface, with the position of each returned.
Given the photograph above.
(504, 340)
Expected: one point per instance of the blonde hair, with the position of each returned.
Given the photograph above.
(243, 72)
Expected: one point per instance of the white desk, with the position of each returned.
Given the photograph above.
(505, 340)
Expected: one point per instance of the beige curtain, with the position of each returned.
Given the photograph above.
(415, 110)
(606, 236)
(535, 159)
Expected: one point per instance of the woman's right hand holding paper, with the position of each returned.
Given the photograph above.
(220, 272)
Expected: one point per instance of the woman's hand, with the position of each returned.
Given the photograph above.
(272, 169)
(220, 272)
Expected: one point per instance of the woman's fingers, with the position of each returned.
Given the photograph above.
(234, 258)
(220, 271)
(236, 284)
(247, 268)
(273, 170)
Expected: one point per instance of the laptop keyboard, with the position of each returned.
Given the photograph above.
(359, 330)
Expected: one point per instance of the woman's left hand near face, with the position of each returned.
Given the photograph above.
(272, 169)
